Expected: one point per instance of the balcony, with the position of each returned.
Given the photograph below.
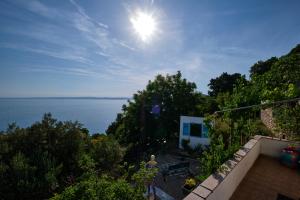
(253, 173)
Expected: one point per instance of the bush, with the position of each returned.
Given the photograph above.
(100, 189)
(50, 155)
(189, 183)
(106, 152)
(186, 145)
(196, 151)
(143, 176)
(261, 129)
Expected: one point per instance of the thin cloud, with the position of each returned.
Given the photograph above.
(96, 31)
(103, 25)
(103, 54)
(83, 13)
(52, 35)
(123, 44)
(72, 56)
(41, 9)
(122, 60)
(78, 71)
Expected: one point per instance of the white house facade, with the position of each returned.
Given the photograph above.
(194, 130)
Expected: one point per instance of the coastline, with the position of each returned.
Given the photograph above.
(99, 98)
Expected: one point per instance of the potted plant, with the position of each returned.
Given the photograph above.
(189, 185)
(290, 156)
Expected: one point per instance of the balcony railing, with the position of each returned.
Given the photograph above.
(223, 184)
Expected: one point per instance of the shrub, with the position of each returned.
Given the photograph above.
(186, 145)
(189, 183)
(100, 189)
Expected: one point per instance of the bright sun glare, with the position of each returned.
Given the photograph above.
(144, 24)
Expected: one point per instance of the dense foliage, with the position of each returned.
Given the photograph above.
(272, 80)
(150, 121)
(39, 159)
(102, 188)
(51, 156)
(224, 83)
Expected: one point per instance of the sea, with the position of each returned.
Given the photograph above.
(96, 114)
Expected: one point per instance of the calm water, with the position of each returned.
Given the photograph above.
(95, 114)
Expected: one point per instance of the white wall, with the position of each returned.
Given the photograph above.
(273, 147)
(227, 187)
(194, 141)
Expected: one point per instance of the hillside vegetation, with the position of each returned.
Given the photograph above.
(60, 160)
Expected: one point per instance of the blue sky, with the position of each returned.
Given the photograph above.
(89, 48)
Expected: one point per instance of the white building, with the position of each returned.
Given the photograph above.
(194, 130)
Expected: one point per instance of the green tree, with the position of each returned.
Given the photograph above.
(262, 67)
(106, 152)
(287, 119)
(143, 177)
(223, 83)
(38, 160)
(272, 80)
(282, 80)
(152, 116)
(101, 188)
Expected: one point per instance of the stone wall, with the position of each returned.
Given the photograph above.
(266, 116)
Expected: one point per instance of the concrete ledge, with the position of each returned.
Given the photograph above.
(202, 192)
(222, 184)
(193, 196)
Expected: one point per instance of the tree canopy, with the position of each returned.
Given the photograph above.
(50, 156)
(262, 67)
(151, 119)
(272, 80)
(223, 83)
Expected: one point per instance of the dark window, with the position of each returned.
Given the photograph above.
(195, 130)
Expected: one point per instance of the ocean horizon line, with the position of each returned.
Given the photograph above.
(83, 97)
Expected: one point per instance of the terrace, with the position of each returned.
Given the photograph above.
(253, 173)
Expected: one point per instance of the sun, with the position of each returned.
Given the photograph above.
(144, 24)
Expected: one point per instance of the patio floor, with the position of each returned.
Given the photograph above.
(173, 183)
(267, 180)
